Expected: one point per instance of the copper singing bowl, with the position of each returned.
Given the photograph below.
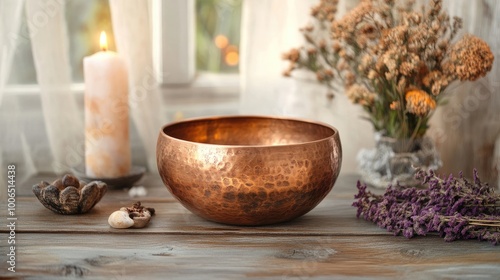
(249, 170)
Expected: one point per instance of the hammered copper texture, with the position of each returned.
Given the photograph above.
(249, 170)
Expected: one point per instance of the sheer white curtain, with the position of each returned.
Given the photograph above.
(10, 11)
(269, 28)
(62, 116)
(23, 138)
(9, 27)
(43, 131)
(131, 25)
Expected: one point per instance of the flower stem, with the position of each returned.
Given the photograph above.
(414, 134)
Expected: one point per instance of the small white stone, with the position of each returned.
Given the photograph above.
(120, 219)
(137, 191)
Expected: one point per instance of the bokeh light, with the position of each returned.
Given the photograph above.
(221, 41)
(232, 58)
(218, 25)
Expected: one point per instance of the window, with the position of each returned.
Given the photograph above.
(85, 19)
(205, 52)
(218, 35)
(195, 43)
(173, 29)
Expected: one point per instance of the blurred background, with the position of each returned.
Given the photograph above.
(232, 52)
(217, 37)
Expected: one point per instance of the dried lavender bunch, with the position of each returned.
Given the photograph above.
(454, 207)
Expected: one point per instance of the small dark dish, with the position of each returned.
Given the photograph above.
(69, 196)
(136, 173)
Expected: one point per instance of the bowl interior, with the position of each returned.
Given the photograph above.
(248, 131)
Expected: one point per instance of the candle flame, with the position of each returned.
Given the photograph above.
(103, 41)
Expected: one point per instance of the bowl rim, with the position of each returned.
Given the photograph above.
(303, 120)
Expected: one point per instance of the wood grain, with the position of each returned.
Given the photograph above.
(334, 215)
(231, 257)
(329, 242)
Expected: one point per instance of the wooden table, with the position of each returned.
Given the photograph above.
(327, 243)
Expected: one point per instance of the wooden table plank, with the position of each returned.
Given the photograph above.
(172, 218)
(334, 216)
(327, 243)
(109, 256)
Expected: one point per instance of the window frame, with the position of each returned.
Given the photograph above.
(171, 21)
(175, 64)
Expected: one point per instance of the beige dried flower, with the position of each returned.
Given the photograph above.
(322, 45)
(436, 81)
(406, 68)
(369, 30)
(372, 74)
(347, 25)
(312, 51)
(393, 58)
(394, 105)
(325, 10)
(394, 35)
(402, 85)
(359, 94)
(328, 73)
(342, 65)
(349, 79)
(324, 75)
(336, 47)
(308, 28)
(366, 62)
(362, 41)
(288, 72)
(293, 55)
(319, 76)
(389, 61)
(471, 58)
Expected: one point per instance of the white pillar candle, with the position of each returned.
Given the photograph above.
(107, 142)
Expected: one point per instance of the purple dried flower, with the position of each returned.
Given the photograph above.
(453, 207)
(408, 232)
(456, 206)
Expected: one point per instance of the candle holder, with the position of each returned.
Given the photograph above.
(127, 181)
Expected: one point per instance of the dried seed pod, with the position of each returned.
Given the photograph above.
(69, 198)
(58, 184)
(120, 219)
(68, 181)
(67, 195)
(138, 214)
(87, 197)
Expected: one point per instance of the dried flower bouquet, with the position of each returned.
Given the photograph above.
(393, 60)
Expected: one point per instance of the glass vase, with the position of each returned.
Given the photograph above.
(392, 161)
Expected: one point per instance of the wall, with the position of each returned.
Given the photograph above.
(467, 129)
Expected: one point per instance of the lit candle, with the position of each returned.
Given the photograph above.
(107, 143)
